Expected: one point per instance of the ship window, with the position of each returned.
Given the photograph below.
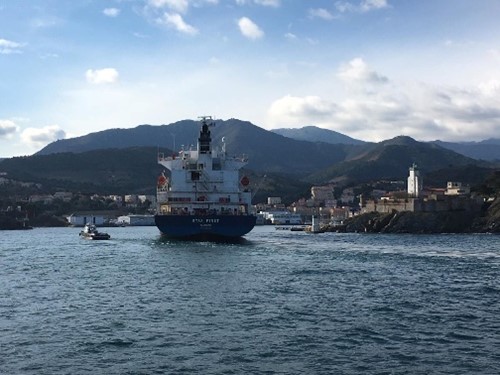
(200, 166)
(195, 176)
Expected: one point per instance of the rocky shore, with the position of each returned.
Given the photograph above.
(486, 221)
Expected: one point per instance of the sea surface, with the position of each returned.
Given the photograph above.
(278, 302)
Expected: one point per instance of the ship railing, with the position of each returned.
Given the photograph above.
(162, 157)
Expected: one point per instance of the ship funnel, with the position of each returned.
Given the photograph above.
(205, 139)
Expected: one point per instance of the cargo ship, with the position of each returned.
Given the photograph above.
(203, 197)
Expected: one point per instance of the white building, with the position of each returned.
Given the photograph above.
(282, 217)
(415, 182)
(456, 188)
(136, 220)
(79, 219)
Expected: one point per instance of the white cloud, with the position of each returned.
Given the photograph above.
(111, 12)
(417, 110)
(490, 88)
(357, 71)
(300, 111)
(98, 76)
(7, 47)
(269, 3)
(38, 137)
(175, 20)
(362, 7)
(180, 6)
(368, 5)
(249, 29)
(321, 13)
(7, 128)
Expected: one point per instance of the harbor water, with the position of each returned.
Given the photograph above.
(277, 302)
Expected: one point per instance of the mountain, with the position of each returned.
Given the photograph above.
(315, 134)
(104, 162)
(267, 151)
(176, 134)
(391, 159)
(484, 150)
(110, 171)
(488, 149)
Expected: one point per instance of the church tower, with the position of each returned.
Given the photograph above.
(414, 181)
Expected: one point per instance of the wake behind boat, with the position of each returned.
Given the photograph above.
(90, 232)
(204, 198)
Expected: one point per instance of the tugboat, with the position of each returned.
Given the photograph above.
(204, 198)
(90, 232)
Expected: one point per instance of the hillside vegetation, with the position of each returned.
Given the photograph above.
(123, 161)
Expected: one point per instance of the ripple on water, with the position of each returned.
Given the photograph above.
(276, 303)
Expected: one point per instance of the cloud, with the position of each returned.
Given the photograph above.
(321, 13)
(490, 88)
(111, 12)
(363, 7)
(267, 3)
(7, 128)
(175, 20)
(37, 137)
(357, 71)
(99, 76)
(8, 47)
(249, 29)
(368, 5)
(421, 111)
(180, 6)
(301, 110)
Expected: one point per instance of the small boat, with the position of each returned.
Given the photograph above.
(90, 232)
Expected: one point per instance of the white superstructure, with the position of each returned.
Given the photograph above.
(203, 181)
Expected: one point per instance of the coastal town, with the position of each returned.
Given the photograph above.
(330, 205)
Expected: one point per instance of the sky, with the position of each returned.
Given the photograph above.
(370, 69)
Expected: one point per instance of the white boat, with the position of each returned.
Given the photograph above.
(90, 232)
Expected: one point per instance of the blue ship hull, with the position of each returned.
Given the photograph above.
(211, 227)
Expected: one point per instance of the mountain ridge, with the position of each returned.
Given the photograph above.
(109, 161)
(184, 132)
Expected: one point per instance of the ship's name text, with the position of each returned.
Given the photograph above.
(205, 221)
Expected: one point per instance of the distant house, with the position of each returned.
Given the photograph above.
(136, 220)
(456, 188)
(79, 219)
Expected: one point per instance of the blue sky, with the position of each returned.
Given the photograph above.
(370, 69)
